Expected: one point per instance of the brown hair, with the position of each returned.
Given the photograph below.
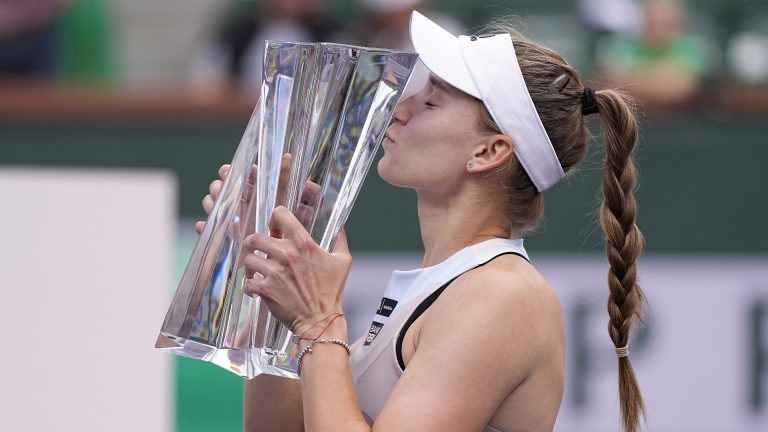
(558, 93)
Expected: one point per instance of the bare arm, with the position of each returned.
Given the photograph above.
(485, 338)
(477, 343)
(326, 384)
(272, 403)
(662, 84)
(470, 355)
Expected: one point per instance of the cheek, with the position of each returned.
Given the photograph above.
(443, 140)
(424, 137)
(419, 168)
(433, 145)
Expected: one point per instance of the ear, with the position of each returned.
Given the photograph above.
(491, 152)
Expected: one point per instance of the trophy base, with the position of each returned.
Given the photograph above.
(247, 363)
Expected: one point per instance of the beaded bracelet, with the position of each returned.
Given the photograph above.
(308, 350)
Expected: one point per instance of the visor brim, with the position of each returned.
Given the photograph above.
(439, 51)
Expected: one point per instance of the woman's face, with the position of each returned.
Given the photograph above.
(431, 139)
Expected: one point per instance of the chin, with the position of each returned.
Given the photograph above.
(381, 167)
(384, 167)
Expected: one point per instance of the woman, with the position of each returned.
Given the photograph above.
(473, 340)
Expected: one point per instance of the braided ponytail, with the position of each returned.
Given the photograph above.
(623, 241)
(558, 94)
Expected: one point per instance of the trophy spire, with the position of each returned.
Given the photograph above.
(313, 135)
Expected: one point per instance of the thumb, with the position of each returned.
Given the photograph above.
(341, 247)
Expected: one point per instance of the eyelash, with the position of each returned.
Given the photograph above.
(429, 104)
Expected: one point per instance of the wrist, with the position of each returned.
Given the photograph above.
(306, 325)
(334, 327)
(311, 345)
(337, 329)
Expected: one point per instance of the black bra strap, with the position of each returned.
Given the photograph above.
(427, 302)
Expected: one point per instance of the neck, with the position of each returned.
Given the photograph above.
(452, 222)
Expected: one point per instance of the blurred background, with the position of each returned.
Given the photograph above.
(123, 111)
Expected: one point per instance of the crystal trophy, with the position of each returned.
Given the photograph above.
(322, 113)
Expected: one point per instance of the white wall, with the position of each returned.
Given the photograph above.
(85, 264)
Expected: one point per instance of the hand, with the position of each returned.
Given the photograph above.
(308, 203)
(213, 194)
(300, 282)
(214, 189)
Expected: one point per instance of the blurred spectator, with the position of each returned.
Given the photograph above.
(611, 16)
(663, 65)
(384, 24)
(27, 37)
(234, 57)
(747, 53)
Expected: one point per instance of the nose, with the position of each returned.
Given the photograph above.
(402, 112)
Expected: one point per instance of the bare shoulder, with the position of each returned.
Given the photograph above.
(496, 335)
(515, 282)
(510, 304)
(508, 285)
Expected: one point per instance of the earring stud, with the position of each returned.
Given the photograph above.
(470, 165)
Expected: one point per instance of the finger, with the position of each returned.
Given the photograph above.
(306, 208)
(282, 181)
(263, 243)
(215, 188)
(305, 214)
(253, 174)
(311, 194)
(208, 204)
(223, 171)
(284, 222)
(257, 264)
(255, 287)
(199, 226)
(250, 185)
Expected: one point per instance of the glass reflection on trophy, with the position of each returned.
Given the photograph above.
(322, 114)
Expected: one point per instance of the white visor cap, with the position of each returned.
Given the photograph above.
(487, 68)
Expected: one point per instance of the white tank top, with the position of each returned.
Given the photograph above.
(374, 362)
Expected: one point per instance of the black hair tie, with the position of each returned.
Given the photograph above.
(589, 103)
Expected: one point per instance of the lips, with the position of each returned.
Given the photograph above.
(389, 137)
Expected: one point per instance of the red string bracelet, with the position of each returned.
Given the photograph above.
(296, 338)
(324, 329)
